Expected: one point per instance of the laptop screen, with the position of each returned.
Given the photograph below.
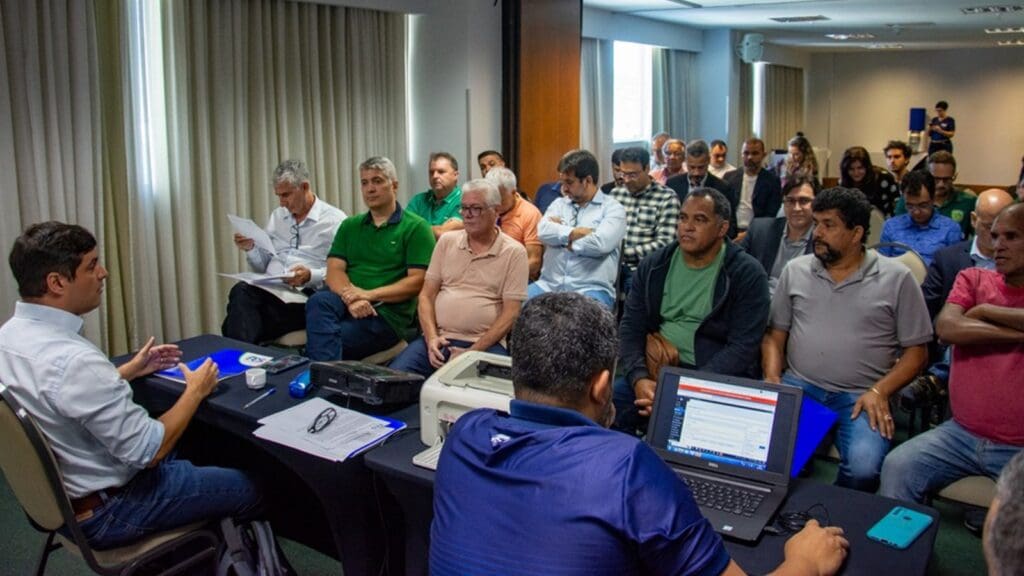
(723, 423)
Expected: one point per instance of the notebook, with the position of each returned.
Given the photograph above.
(731, 440)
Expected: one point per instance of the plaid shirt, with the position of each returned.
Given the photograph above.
(651, 220)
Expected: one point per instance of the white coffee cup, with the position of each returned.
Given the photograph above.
(255, 378)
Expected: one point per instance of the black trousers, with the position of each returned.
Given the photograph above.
(257, 316)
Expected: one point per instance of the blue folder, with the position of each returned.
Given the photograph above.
(230, 362)
(815, 422)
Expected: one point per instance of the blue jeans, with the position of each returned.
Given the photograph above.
(532, 291)
(935, 459)
(332, 333)
(171, 495)
(861, 449)
(627, 419)
(415, 358)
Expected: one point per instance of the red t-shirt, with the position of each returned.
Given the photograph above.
(986, 381)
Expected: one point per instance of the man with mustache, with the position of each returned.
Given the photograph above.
(852, 329)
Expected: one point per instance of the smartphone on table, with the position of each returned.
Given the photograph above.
(900, 527)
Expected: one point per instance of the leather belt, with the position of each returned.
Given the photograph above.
(90, 502)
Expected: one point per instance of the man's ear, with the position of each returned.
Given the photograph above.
(56, 283)
(600, 387)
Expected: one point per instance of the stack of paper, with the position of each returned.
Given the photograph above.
(349, 434)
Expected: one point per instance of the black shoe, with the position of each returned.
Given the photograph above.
(974, 520)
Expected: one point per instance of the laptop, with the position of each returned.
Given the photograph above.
(731, 440)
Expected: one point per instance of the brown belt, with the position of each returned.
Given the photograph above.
(90, 502)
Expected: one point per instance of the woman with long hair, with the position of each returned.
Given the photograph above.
(856, 171)
(800, 161)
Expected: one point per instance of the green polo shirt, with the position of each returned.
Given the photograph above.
(683, 311)
(437, 212)
(377, 256)
(959, 208)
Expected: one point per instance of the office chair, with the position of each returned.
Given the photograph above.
(31, 470)
(877, 222)
(909, 258)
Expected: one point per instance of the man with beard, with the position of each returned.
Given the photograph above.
(852, 329)
(574, 497)
(757, 191)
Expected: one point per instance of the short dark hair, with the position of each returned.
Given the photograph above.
(581, 163)
(942, 104)
(942, 157)
(719, 143)
(697, 149)
(636, 154)
(798, 181)
(44, 248)
(560, 341)
(447, 156)
(916, 179)
(485, 153)
(1005, 533)
(901, 145)
(617, 156)
(723, 209)
(852, 205)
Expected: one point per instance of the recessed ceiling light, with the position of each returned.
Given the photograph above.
(992, 9)
(860, 36)
(910, 24)
(1015, 30)
(795, 19)
(885, 46)
(1011, 42)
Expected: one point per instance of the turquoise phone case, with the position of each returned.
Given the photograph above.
(900, 527)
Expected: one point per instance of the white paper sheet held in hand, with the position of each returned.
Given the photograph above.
(250, 229)
(349, 434)
(272, 283)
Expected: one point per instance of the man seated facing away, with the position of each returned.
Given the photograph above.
(704, 295)
(374, 271)
(115, 460)
(1003, 541)
(983, 320)
(652, 211)
(581, 232)
(776, 241)
(517, 217)
(547, 489)
(474, 287)
(949, 200)
(302, 229)
(852, 328)
(719, 164)
(439, 206)
(757, 191)
(922, 227)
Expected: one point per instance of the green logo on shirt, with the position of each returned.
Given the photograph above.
(957, 215)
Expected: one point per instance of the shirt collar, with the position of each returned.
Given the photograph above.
(395, 218)
(455, 193)
(868, 267)
(976, 254)
(492, 251)
(546, 415)
(49, 314)
(597, 199)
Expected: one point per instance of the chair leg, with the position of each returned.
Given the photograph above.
(48, 547)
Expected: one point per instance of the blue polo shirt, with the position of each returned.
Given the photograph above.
(545, 490)
(941, 231)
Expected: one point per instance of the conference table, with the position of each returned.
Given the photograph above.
(855, 511)
(338, 508)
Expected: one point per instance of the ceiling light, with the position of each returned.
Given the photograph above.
(1011, 42)
(910, 24)
(796, 19)
(860, 36)
(1016, 30)
(885, 46)
(992, 9)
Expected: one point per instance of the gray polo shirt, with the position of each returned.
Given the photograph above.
(845, 337)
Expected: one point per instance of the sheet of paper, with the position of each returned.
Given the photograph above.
(250, 229)
(271, 283)
(350, 433)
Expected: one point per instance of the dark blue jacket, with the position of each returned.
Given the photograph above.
(946, 264)
(729, 339)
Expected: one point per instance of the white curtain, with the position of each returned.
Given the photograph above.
(226, 90)
(596, 101)
(49, 126)
(782, 105)
(674, 93)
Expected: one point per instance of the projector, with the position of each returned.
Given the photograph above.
(371, 383)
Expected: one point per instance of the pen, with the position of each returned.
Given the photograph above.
(258, 398)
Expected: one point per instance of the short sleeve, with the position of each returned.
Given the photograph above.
(435, 269)
(781, 316)
(913, 323)
(530, 222)
(419, 245)
(964, 290)
(517, 275)
(339, 247)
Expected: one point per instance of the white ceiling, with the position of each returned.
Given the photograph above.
(916, 25)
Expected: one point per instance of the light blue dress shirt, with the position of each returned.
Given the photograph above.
(592, 263)
(101, 438)
(313, 237)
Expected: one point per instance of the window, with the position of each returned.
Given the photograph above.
(632, 96)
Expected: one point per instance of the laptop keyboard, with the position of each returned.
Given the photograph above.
(724, 497)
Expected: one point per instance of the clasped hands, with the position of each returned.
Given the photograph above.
(358, 301)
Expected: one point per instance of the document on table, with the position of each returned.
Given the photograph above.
(349, 434)
(250, 229)
(272, 283)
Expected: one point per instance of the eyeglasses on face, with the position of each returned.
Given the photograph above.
(473, 211)
(799, 200)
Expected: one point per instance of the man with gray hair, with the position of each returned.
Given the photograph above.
(1004, 527)
(474, 286)
(702, 295)
(579, 498)
(375, 270)
(674, 154)
(517, 217)
(302, 228)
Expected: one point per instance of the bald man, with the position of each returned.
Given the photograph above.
(983, 319)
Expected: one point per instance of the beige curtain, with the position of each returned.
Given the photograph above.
(597, 101)
(674, 93)
(783, 104)
(49, 126)
(232, 88)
